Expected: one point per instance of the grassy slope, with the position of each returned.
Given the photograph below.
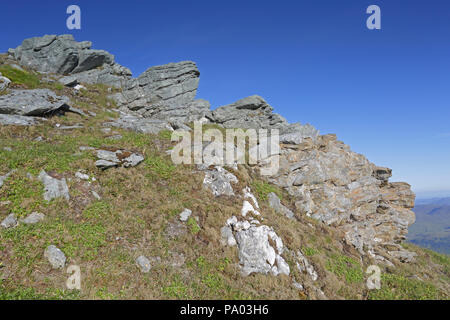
(105, 237)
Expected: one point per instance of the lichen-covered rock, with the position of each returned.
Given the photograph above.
(255, 113)
(4, 83)
(63, 55)
(14, 120)
(54, 188)
(275, 203)
(143, 264)
(33, 218)
(37, 102)
(165, 92)
(9, 222)
(219, 181)
(117, 157)
(55, 257)
(341, 188)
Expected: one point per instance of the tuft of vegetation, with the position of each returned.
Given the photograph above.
(262, 189)
(29, 80)
(345, 268)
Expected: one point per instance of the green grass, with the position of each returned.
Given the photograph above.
(397, 287)
(262, 189)
(31, 81)
(23, 293)
(193, 226)
(345, 268)
(161, 167)
(24, 194)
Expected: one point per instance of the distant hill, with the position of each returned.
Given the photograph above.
(432, 227)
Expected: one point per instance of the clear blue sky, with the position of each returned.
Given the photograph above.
(385, 93)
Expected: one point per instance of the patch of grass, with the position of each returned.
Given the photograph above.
(97, 210)
(262, 189)
(397, 287)
(176, 289)
(24, 194)
(160, 166)
(193, 226)
(307, 251)
(31, 81)
(346, 268)
(81, 240)
(24, 293)
(165, 134)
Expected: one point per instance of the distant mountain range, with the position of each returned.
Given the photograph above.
(432, 226)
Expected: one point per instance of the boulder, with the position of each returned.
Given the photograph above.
(219, 180)
(165, 92)
(63, 55)
(38, 102)
(55, 257)
(4, 83)
(9, 222)
(33, 218)
(143, 264)
(53, 187)
(117, 157)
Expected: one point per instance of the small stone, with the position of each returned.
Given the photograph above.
(96, 195)
(54, 188)
(9, 222)
(33, 218)
(82, 176)
(143, 264)
(184, 216)
(55, 256)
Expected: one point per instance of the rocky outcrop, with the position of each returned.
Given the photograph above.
(63, 55)
(342, 188)
(255, 113)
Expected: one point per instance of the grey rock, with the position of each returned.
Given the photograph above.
(143, 264)
(303, 265)
(4, 83)
(38, 102)
(53, 187)
(173, 84)
(275, 203)
(256, 253)
(3, 178)
(105, 164)
(9, 222)
(63, 55)
(15, 120)
(219, 180)
(139, 124)
(108, 159)
(55, 257)
(184, 216)
(175, 229)
(33, 218)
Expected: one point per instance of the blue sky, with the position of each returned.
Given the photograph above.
(384, 92)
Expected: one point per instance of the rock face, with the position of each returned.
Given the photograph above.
(63, 55)
(173, 84)
(38, 102)
(342, 188)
